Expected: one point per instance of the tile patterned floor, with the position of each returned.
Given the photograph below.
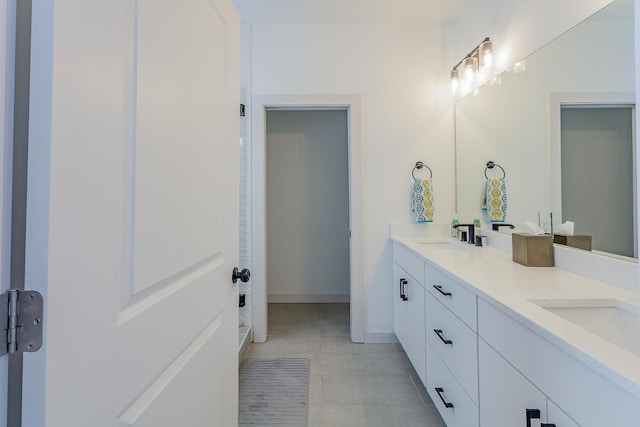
(368, 385)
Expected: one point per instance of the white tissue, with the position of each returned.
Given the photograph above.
(532, 228)
(565, 229)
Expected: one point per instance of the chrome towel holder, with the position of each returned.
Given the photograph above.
(491, 165)
(420, 165)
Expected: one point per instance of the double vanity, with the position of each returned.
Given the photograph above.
(500, 344)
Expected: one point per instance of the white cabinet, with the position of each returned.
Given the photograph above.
(454, 404)
(556, 416)
(400, 311)
(457, 298)
(486, 365)
(455, 343)
(452, 348)
(505, 393)
(575, 391)
(408, 307)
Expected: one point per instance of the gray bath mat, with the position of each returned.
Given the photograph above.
(274, 392)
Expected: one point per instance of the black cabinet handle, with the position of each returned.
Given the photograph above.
(439, 289)
(547, 425)
(439, 390)
(439, 334)
(532, 414)
(403, 291)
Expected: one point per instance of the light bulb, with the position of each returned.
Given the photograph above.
(518, 67)
(470, 66)
(454, 81)
(497, 80)
(486, 55)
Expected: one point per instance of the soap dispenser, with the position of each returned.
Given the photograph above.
(454, 222)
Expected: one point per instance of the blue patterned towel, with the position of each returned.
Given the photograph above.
(494, 199)
(422, 200)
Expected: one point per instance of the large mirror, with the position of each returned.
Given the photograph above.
(561, 126)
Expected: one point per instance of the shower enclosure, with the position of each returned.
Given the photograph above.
(244, 289)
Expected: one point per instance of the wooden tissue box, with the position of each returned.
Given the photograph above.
(580, 241)
(532, 251)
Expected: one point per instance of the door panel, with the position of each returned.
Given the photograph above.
(132, 213)
(148, 409)
(176, 166)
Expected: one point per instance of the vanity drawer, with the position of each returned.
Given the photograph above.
(454, 296)
(410, 262)
(444, 389)
(455, 343)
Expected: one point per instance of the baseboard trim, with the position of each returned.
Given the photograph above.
(380, 338)
(309, 298)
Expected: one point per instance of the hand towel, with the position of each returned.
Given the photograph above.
(422, 200)
(494, 199)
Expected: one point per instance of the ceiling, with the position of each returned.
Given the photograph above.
(348, 11)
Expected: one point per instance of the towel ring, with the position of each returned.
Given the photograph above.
(420, 165)
(491, 165)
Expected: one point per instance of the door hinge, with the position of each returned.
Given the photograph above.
(20, 321)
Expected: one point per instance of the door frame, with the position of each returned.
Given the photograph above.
(353, 105)
(7, 69)
(557, 100)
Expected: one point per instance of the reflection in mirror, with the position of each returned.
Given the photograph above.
(519, 122)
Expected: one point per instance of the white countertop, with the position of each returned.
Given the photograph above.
(493, 276)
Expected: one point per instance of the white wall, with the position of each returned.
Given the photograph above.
(406, 118)
(307, 206)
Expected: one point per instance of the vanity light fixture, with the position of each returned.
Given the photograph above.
(478, 60)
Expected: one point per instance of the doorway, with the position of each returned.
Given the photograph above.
(598, 175)
(307, 206)
(349, 105)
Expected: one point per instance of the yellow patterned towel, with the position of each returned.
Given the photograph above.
(422, 200)
(495, 199)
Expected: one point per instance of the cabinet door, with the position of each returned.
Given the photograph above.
(556, 416)
(399, 304)
(408, 317)
(449, 397)
(505, 394)
(415, 347)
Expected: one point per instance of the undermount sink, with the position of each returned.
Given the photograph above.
(424, 241)
(610, 319)
(441, 243)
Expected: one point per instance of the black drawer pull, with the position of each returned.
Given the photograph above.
(439, 390)
(547, 425)
(439, 334)
(439, 289)
(403, 291)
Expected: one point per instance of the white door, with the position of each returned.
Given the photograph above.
(132, 213)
